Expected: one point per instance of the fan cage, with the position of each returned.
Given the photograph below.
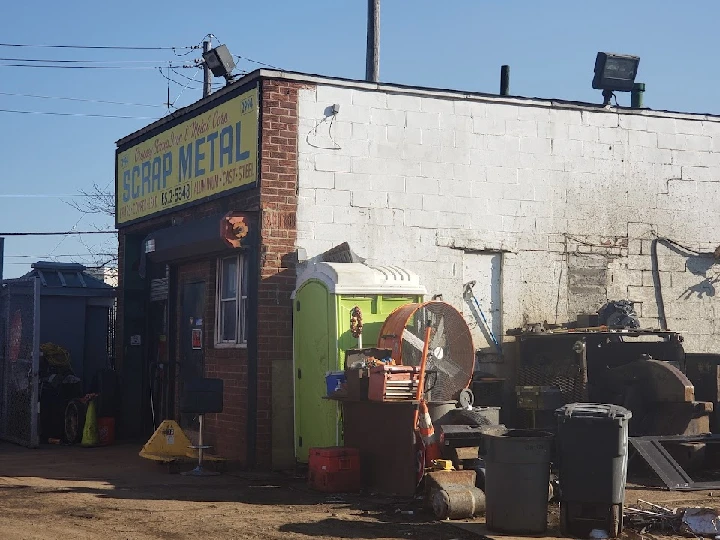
(451, 354)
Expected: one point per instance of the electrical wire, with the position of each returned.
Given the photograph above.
(174, 81)
(54, 66)
(198, 46)
(256, 62)
(103, 47)
(53, 113)
(65, 237)
(83, 100)
(191, 79)
(43, 195)
(62, 255)
(104, 265)
(685, 248)
(54, 233)
(185, 87)
(65, 61)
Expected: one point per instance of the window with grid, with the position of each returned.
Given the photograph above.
(231, 317)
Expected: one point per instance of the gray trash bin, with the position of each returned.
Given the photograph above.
(592, 458)
(517, 476)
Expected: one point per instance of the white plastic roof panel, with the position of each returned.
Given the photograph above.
(359, 278)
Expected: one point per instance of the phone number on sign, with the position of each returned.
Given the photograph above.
(176, 195)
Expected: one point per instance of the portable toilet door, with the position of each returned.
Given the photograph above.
(322, 304)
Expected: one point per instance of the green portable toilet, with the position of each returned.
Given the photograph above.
(322, 302)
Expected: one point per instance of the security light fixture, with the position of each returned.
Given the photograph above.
(614, 73)
(219, 61)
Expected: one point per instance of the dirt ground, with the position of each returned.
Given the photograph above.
(111, 493)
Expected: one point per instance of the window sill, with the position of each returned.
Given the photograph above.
(231, 345)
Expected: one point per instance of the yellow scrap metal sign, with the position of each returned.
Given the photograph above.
(208, 154)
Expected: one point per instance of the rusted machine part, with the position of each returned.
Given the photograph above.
(440, 480)
(660, 396)
(458, 502)
(658, 381)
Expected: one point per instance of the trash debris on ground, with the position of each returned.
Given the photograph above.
(702, 521)
(646, 517)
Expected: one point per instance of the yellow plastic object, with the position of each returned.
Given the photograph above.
(169, 443)
(90, 436)
(443, 465)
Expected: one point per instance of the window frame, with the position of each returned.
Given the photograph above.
(241, 303)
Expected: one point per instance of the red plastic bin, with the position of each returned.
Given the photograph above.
(335, 469)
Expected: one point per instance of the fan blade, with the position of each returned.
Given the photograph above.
(413, 340)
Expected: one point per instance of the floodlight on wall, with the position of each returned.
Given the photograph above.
(219, 61)
(614, 73)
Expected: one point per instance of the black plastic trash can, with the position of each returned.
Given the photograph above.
(517, 479)
(592, 458)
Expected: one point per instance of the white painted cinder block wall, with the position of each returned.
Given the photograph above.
(572, 198)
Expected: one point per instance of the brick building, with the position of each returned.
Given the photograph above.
(552, 207)
(268, 202)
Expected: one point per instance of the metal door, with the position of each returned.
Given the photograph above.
(19, 362)
(193, 338)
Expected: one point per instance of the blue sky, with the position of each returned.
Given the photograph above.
(550, 46)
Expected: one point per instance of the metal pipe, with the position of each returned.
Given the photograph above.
(505, 80)
(636, 96)
(35, 368)
(200, 443)
(372, 58)
(421, 377)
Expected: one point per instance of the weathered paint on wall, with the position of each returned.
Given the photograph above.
(571, 197)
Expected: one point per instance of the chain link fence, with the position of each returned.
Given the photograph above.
(19, 361)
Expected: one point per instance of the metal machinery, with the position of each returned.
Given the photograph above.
(645, 371)
(642, 370)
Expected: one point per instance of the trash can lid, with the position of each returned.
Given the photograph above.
(593, 410)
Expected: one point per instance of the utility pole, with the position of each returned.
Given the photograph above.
(2, 257)
(207, 76)
(372, 58)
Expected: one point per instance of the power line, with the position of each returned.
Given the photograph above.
(54, 233)
(174, 81)
(85, 265)
(191, 79)
(63, 255)
(65, 237)
(104, 47)
(184, 87)
(64, 61)
(103, 101)
(52, 113)
(43, 195)
(256, 62)
(54, 66)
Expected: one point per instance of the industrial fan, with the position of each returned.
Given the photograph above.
(451, 355)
